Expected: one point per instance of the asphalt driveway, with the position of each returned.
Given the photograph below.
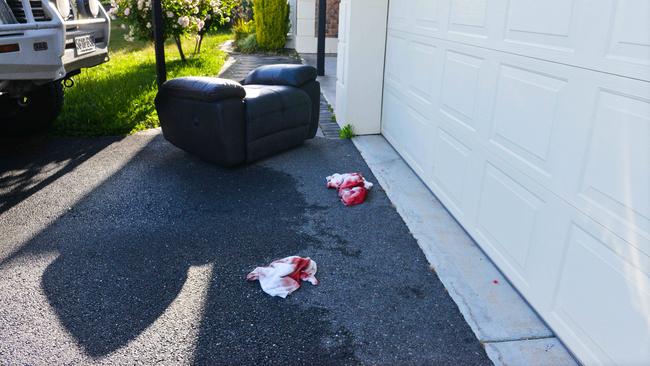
(130, 251)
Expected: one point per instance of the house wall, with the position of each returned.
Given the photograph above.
(305, 39)
(331, 18)
(291, 38)
(360, 64)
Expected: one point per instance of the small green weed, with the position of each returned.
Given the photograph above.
(346, 132)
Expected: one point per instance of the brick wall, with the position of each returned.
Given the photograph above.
(332, 20)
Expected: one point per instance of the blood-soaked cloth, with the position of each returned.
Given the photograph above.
(353, 196)
(284, 276)
(352, 187)
(347, 180)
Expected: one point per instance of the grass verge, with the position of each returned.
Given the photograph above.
(116, 98)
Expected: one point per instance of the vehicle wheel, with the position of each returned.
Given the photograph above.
(32, 113)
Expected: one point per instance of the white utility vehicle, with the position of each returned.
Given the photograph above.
(42, 45)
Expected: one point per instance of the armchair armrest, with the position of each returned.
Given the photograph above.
(206, 89)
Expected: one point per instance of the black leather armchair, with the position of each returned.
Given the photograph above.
(228, 123)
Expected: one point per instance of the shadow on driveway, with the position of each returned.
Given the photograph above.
(125, 249)
(29, 164)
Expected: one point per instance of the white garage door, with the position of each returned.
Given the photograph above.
(530, 120)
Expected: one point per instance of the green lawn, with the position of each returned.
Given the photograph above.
(116, 98)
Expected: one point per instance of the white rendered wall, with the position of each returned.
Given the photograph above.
(306, 40)
(291, 38)
(360, 64)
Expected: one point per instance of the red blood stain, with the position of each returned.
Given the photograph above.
(353, 196)
(352, 180)
(496, 282)
(274, 278)
(301, 265)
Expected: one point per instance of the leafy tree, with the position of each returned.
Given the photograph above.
(181, 18)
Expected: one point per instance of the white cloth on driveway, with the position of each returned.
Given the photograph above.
(347, 180)
(284, 276)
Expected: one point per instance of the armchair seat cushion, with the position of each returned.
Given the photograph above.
(273, 108)
(277, 118)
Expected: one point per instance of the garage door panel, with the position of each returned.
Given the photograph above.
(468, 18)
(602, 297)
(401, 123)
(560, 126)
(543, 159)
(507, 216)
(422, 72)
(398, 15)
(426, 17)
(531, 114)
(451, 166)
(605, 35)
(397, 61)
(527, 243)
(526, 111)
(545, 24)
(393, 109)
(393, 112)
(616, 177)
(460, 88)
(417, 16)
(413, 68)
(516, 222)
(540, 116)
(627, 43)
(418, 131)
(531, 117)
(531, 16)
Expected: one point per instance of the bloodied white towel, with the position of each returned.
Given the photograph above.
(347, 180)
(284, 276)
(353, 187)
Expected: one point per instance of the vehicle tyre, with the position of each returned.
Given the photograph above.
(32, 113)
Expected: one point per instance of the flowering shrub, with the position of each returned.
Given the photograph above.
(243, 10)
(181, 18)
(217, 16)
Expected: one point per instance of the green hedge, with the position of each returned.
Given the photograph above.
(271, 23)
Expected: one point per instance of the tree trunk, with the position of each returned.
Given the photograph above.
(200, 43)
(180, 48)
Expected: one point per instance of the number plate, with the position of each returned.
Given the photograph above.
(84, 44)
